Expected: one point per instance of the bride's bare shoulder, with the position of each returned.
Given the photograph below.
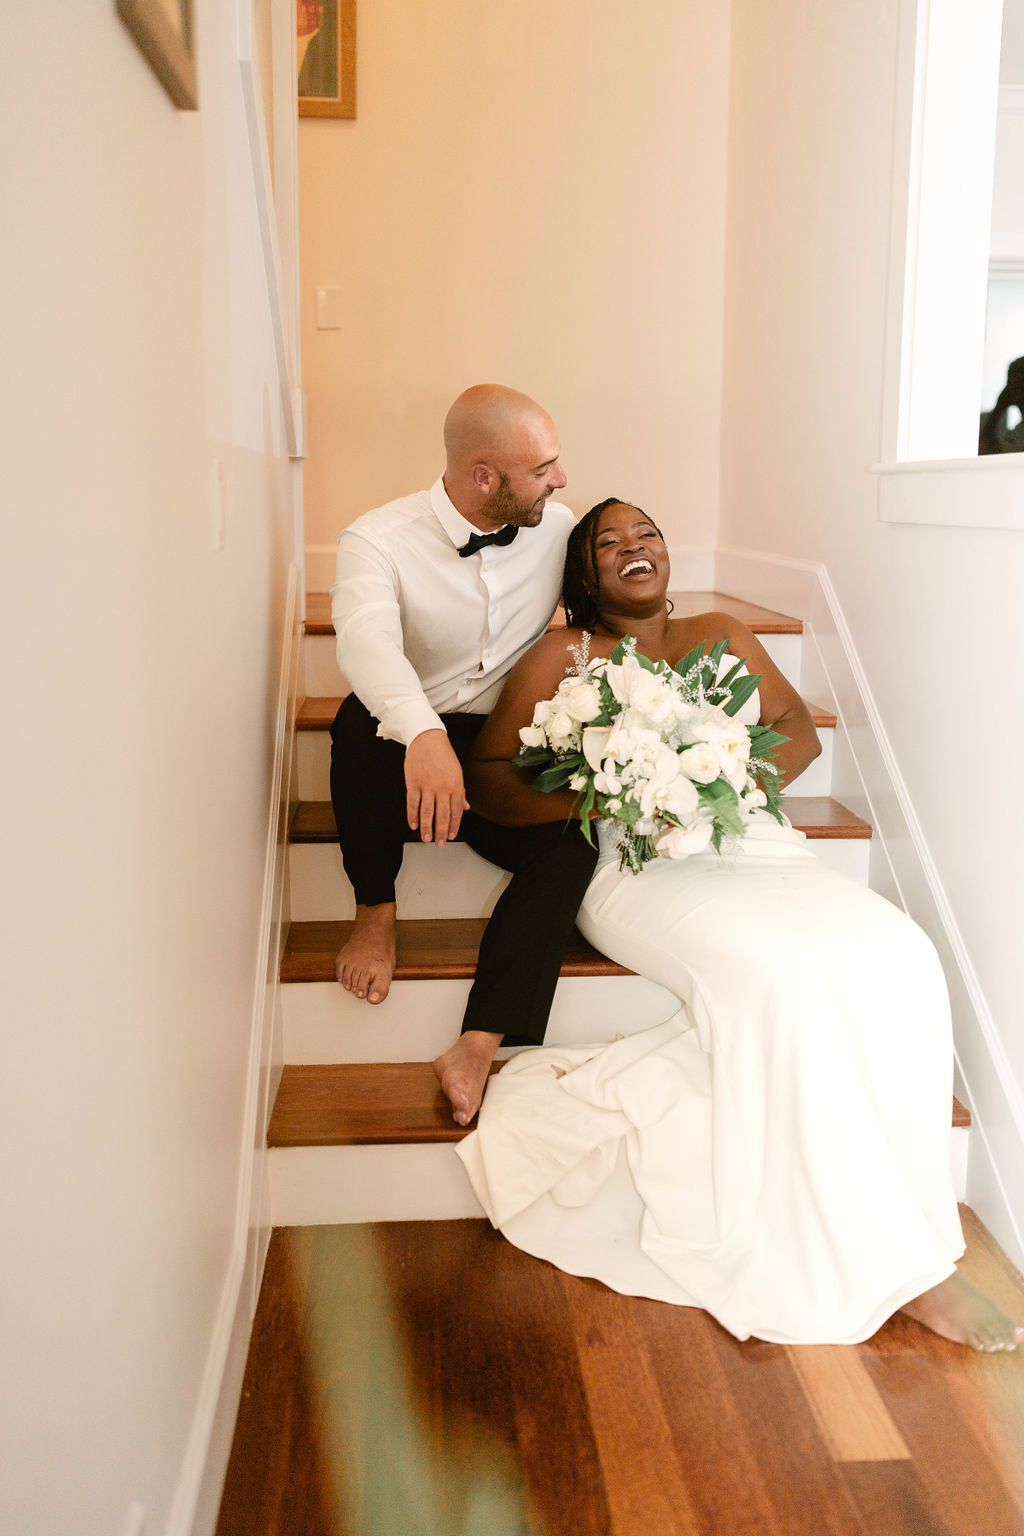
(712, 626)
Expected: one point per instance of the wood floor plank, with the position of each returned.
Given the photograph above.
(893, 1501)
(428, 1377)
(275, 1458)
(854, 1422)
(441, 948)
(645, 1484)
(795, 1471)
(490, 1326)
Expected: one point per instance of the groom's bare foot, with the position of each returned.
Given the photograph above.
(955, 1310)
(462, 1072)
(366, 964)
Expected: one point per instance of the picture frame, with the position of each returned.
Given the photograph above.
(164, 33)
(326, 57)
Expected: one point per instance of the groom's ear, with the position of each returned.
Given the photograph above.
(484, 477)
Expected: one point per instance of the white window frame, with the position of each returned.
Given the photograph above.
(944, 146)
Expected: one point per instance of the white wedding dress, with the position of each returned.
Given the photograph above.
(778, 1151)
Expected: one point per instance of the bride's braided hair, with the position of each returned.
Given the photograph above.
(582, 601)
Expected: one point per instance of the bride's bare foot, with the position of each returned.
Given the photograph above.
(462, 1072)
(955, 1310)
(366, 964)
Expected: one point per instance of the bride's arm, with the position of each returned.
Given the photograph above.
(781, 705)
(496, 789)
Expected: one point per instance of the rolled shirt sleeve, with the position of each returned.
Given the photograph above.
(371, 647)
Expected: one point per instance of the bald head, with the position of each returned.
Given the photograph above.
(501, 451)
(482, 420)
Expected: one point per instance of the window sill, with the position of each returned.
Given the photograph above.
(954, 493)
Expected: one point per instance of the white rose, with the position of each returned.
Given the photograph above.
(533, 736)
(700, 762)
(580, 699)
(560, 730)
(542, 711)
(680, 842)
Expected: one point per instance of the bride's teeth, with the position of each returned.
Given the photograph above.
(637, 565)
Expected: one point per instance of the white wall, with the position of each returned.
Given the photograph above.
(934, 612)
(533, 194)
(141, 668)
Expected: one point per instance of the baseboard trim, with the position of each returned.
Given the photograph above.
(321, 560)
(868, 780)
(197, 1496)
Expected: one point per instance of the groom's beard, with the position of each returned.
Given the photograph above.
(503, 506)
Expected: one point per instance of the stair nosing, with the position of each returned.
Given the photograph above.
(381, 1104)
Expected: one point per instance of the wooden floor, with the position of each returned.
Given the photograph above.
(428, 1379)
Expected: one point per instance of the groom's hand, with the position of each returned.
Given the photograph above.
(435, 795)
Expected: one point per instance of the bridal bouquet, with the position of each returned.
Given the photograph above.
(656, 750)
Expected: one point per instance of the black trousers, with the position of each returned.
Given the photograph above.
(551, 865)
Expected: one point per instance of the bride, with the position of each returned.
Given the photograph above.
(777, 1151)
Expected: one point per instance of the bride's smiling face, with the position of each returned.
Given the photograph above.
(632, 561)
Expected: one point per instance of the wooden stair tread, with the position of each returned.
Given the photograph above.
(375, 1104)
(361, 1104)
(815, 815)
(763, 621)
(432, 948)
(317, 714)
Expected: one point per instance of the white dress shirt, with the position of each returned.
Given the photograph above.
(423, 632)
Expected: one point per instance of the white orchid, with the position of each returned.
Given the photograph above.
(682, 842)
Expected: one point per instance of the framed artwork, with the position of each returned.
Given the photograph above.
(163, 31)
(326, 53)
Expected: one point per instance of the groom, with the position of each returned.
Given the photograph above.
(437, 595)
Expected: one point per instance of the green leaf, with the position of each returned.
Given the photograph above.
(741, 692)
(532, 757)
(691, 659)
(764, 739)
(715, 654)
(723, 800)
(558, 774)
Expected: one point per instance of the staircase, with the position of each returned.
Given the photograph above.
(360, 1130)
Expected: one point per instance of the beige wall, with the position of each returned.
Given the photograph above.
(141, 669)
(934, 611)
(533, 194)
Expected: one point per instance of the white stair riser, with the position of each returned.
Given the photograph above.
(312, 1186)
(317, 1186)
(324, 1024)
(455, 882)
(313, 753)
(324, 680)
(433, 882)
(817, 779)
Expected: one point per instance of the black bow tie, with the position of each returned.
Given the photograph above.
(478, 540)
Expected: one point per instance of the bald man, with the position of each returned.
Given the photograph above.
(437, 595)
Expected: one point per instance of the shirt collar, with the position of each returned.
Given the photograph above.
(451, 520)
